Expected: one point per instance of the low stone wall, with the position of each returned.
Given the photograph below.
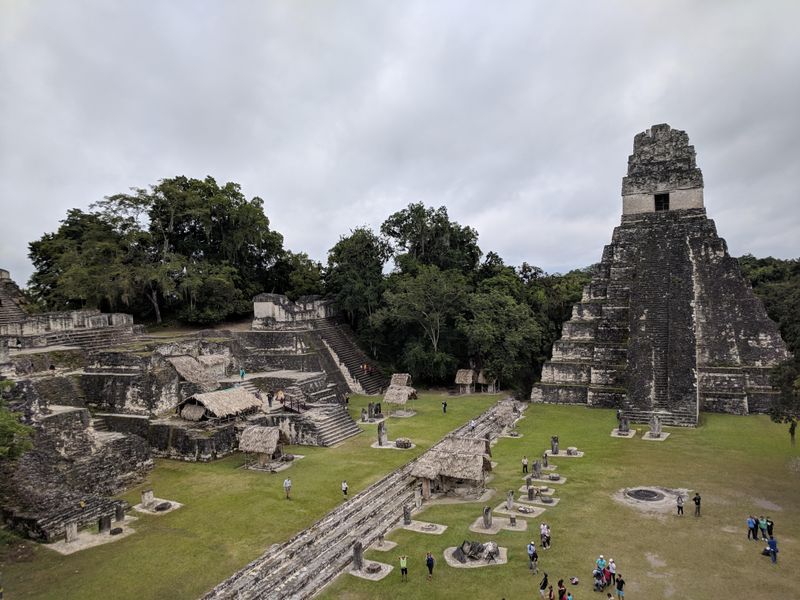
(172, 439)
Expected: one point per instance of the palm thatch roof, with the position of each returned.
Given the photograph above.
(402, 379)
(398, 394)
(439, 463)
(193, 371)
(192, 412)
(467, 445)
(465, 377)
(260, 440)
(223, 403)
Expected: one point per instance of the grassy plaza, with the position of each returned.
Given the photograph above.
(740, 465)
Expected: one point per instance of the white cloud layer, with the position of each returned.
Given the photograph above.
(517, 115)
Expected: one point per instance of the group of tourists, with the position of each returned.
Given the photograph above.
(679, 501)
(279, 396)
(763, 527)
(430, 562)
(604, 574)
(547, 592)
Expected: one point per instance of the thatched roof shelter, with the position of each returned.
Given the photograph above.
(438, 463)
(402, 379)
(260, 440)
(399, 394)
(219, 405)
(193, 371)
(468, 445)
(465, 377)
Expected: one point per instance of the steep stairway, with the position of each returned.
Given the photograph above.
(335, 425)
(341, 340)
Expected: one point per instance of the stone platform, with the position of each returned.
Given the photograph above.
(498, 523)
(363, 574)
(502, 510)
(664, 435)
(156, 502)
(474, 564)
(88, 539)
(425, 527)
(631, 433)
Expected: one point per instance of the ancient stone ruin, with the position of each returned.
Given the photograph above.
(668, 325)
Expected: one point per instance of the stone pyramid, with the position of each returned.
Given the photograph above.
(668, 325)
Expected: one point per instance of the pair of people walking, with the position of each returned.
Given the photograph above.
(429, 563)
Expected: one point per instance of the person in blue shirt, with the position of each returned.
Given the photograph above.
(751, 528)
(772, 544)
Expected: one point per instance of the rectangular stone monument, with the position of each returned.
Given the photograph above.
(406, 515)
(383, 436)
(104, 523)
(358, 556)
(147, 498)
(537, 469)
(510, 500)
(71, 532)
(487, 517)
(119, 513)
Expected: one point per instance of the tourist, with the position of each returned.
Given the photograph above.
(287, 487)
(242, 373)
(533, 558)
(472, 425)
(612, 568)
(620, 587)
(762, 526)
(543, 587)
(550, 594)
(524, 464)
(429, 562)
(562, 590)
(569, 596)
(599, 584)
(547, 535)
(696, 501)
(404, 568)
(770, 525)
(772, 545)
(679, 502)
(270, 396)
(444, 407)
(543, 534)
(751, 528)
(344, 488)
(600, 562)
(609, 596)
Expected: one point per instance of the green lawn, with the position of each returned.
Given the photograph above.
(739, 465)
(230, 515)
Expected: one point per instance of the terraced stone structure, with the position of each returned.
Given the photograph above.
(668, 324)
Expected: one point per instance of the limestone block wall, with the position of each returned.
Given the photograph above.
(180, 442)
(275, 311)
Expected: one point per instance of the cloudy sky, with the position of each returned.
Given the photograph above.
(517, 116)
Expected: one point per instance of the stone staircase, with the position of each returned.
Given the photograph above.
(91, 339)
(335, 425)
(10, 311)
(341, 340)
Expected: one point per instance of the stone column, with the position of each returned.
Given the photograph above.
(531, 493)
(426, 489)
(104, 523)
(147, 499)
(512, 521)
(510, 500)
(71, 532)
(406, 515)
(358, 556)
(119, 514)
(528, 481)
(487, 517)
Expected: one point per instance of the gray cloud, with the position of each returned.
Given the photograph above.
(517, 116)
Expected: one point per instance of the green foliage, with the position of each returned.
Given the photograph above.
(424, 236)
(15, 438)
(190, 246)
(354, 277)
(777, 283)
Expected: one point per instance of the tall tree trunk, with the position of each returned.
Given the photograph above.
(153, 297)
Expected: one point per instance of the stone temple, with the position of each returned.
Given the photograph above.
(668, 325)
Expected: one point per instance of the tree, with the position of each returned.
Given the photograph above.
(190, 246)
(430, 299)
(354, 277)
(502, 334)
(424, 236)
(305, 276)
